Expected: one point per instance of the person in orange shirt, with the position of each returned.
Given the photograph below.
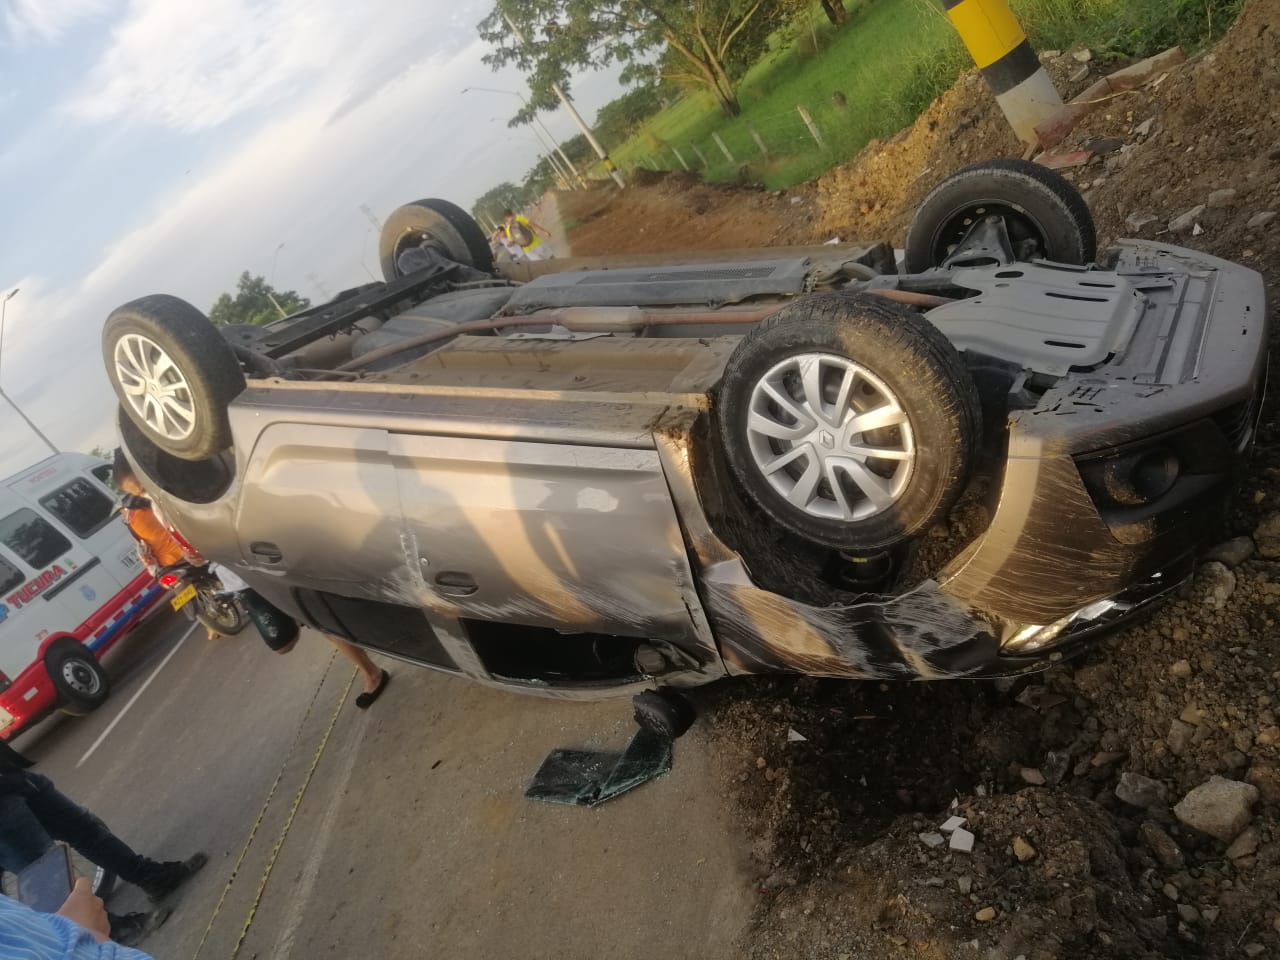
(157, 546)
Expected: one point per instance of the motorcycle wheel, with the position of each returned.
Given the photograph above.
(221, 614)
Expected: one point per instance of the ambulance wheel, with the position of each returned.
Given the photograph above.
(81, 683)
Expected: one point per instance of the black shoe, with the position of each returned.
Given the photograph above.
(132, 928)
(169, 876)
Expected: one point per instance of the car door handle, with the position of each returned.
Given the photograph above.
(456, 583)
(266, 552)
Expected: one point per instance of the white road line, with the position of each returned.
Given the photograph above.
(134, 699)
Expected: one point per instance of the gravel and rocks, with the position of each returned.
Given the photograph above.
(1186, 222)
(1219, 807)
(1140, 791)
(1231, 553)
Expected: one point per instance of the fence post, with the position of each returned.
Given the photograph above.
(813, 127)
(701, 156)
(723, 149)
(755, 135)
(679, 156)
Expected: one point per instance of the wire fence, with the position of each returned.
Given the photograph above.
(809, 135)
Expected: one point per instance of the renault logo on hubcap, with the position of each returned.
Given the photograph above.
(826, 439)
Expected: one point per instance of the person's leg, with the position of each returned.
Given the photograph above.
(23, 838)
(64, 819)
(372, 673)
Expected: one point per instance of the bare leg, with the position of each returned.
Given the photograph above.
(372, 673)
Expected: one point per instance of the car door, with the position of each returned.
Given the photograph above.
(572, 537)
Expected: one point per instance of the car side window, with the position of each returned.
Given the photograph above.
(33, 539)
(81, 506)
(10, 576)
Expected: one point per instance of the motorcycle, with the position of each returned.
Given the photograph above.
(200, 592)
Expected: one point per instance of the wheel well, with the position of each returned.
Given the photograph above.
(56, 645)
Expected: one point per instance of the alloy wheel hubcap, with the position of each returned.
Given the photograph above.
(154, 387)
(830, 437)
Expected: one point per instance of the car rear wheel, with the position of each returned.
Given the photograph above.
(1044, 215)
(174, 374)
(78, 678)
(439, 221)
(850, 421)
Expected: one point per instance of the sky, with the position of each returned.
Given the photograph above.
(165, 146)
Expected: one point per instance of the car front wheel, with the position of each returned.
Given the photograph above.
(850, 421)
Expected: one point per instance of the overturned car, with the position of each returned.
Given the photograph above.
(580, 476)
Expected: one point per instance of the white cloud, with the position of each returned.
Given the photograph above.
(47, 20)
(196, 64)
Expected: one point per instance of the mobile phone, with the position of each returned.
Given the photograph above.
(46, 884)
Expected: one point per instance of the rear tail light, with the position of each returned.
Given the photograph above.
(169, 579)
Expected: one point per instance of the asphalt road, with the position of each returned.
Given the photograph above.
(400, 831)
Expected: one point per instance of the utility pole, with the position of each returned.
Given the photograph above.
(371, 217)
(272, 282)
(16, 409)
(1008, 62)
(554, 143)
(601, 152)
(315, 281)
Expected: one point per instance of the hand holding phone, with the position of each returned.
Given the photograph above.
(86, 910)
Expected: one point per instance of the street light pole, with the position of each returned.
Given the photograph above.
(554, 142)
(601, 152)
(272, 282)
(18, 410)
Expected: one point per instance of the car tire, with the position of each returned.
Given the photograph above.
(1043, 213)
(163, 344)
(791, 393)
(78, 679)
(664, 712)
(439, 220)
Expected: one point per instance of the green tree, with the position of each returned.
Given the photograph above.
(255, 303)
(497, 199)
(706, 42)
(622, 116)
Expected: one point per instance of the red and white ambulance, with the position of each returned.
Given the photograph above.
(71, 585)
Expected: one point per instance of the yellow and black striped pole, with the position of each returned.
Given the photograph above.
(1008, 62)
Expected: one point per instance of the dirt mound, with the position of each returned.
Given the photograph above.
(676, 211)
(1192, 693)
(1209, 134)
(873, 196)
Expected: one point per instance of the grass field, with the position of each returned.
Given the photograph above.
(885, 66)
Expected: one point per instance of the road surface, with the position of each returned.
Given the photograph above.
(400, 831)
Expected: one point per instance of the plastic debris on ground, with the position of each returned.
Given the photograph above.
(585, 778)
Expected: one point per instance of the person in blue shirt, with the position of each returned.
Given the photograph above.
(78, 931)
